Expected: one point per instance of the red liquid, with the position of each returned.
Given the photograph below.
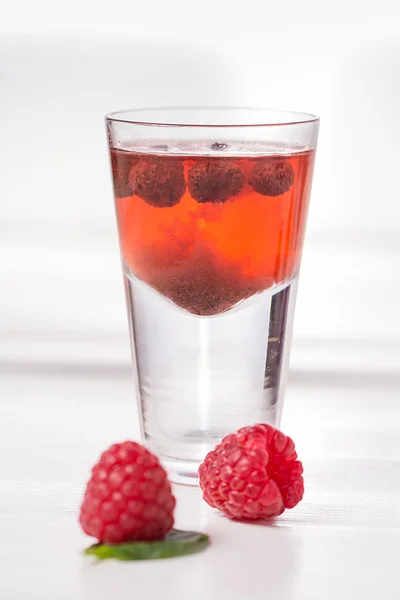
(208, 256)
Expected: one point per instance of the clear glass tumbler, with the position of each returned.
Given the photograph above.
(211, 206)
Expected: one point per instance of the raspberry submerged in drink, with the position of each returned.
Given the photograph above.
(209, 231)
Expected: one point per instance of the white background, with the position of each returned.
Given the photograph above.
(64, 353)
(64, 65)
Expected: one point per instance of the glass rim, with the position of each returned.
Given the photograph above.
(289, 118)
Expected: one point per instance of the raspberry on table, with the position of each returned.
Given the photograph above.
(252, 474)
(215, 180)
(121, 164)
(128, 497)
(272, 177)
(158, 181)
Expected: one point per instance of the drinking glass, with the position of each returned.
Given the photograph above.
(211, 206)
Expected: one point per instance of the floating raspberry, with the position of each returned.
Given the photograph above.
(272, 177)
(252, 474)
(121, 164)
(215, 180)
(128, 497)
(159, 181)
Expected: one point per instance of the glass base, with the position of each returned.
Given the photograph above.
(202, 377)
(182, 472)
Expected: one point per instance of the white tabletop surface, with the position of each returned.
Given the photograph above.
(342, 542)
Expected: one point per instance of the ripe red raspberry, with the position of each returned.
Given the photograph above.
(128, 496)
(252, 474)
(159, 181)
(215, 180)
(272, 177)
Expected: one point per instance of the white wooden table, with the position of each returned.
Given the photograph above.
(342, 542)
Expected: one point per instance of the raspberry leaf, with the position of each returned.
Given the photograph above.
(175, 543)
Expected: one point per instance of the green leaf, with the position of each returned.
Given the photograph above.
(175, 543)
